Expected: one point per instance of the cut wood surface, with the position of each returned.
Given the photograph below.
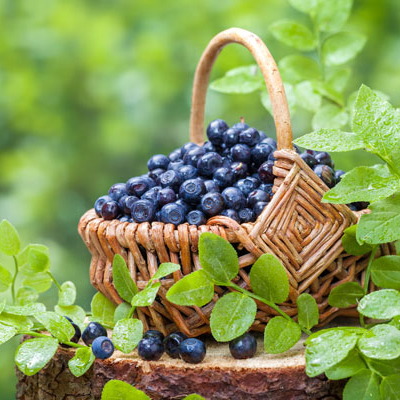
(219, 376)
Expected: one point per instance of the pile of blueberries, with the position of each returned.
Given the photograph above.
(231, 174)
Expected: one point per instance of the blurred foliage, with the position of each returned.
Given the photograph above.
(89, 90)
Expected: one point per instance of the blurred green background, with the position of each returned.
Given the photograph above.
(89, 90)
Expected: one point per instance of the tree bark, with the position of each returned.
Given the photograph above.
(219, 376)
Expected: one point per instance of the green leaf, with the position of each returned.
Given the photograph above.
(57, 325)
(102, 309)
(67, 296)
(327, 348)
(268, 279)
(126, 334)
(195, 289)
(337, 79)
(23, 256)
(6, 333)
(385, 345)
(362, 386)
(390, 387)
(218, 257)
(351, 245)
(38, 260)
(2, 305)
(232, 316)
(5, 279)
(194, 397)
(9, 239)
(117, 390)
(122, 311)
(332, 15)
(123, 281)
(164, 270)
(385, 272)
(345, 295)
(240, 80)
(290, 96)
(27, 295)
(293, 34)
(41, 282)
(307, 310)
(326, 90)
(33, 354)
(350, 366)
(363, 184)
(352, 330)
(330, 140)
(80, 363)
(296, 68)
(383, 304)
(342, 47)
(307, 97)
(147, 296)
(27, 310)
(280, 335)
(20, 322)
(329, 116)
(305, 6)
(76, 313)
(385, 367)
(378, 123)
(382, 225)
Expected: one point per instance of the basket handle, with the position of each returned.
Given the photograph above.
(269, 71)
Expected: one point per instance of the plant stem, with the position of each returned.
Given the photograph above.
(368, 271)
(268, 303)
(14, 279)
(131, 312)
(54, 280)
(41, 335)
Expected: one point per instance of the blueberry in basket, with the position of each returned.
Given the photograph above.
(231, 174)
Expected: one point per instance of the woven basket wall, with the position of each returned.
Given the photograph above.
(304, 233)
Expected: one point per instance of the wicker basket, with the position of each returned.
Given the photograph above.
(302, 232)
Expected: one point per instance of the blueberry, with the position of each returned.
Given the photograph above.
(325, 173)
(188, 172)
(241, 152)
(296, 148)
(271, 142)
(260, 153)
(150, 349)
(176, 165)
(110, 210)
(231, 214)
(226, 162)
(338, 175)
(208, 147)
(125, 203)
(240, 126)
(267, 187)
(172, 213)
(215, 131)
(233, 198)
(184, 205)
(231, 137)
(309, 159)
(239, 170)
(165, 196)
(137, 186)
(102, 347)
(77, 334)
(250, 137)
(271, 157)
(192, 190)
(124, 218)
(158, 161)
(208, 163)
(152, 195)
(223, 177)
(170, 179)
(150, 182)
(324, 158)
(155, 174)
(211, 186)
(153, 333)
(263, 135)
(117, 191)
(196, 217)
(175, 155)
(265, 172)
(247, 185)
(256, 196)
(100, 202)
(192, 351)
(143, 211)
(172, 343)
(193, 156)
(358, 205)
(212, 204)
(259, 207)
(246, 215)
(93, 331)
(243, 347)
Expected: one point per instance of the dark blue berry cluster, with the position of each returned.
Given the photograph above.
(231, 175)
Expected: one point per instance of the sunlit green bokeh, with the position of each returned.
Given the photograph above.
(89, 90)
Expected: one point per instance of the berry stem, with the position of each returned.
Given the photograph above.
(368, 271)
(14, 279)
(54, 280)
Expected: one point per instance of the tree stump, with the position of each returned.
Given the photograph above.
(219, 376)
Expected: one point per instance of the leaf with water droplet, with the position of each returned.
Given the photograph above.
(345, 295)
(280, 335)
(57, 325)
(81, 362)
(117, 390)
(362, 386)
(127, 333)
(383, 304)
(147, 296)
